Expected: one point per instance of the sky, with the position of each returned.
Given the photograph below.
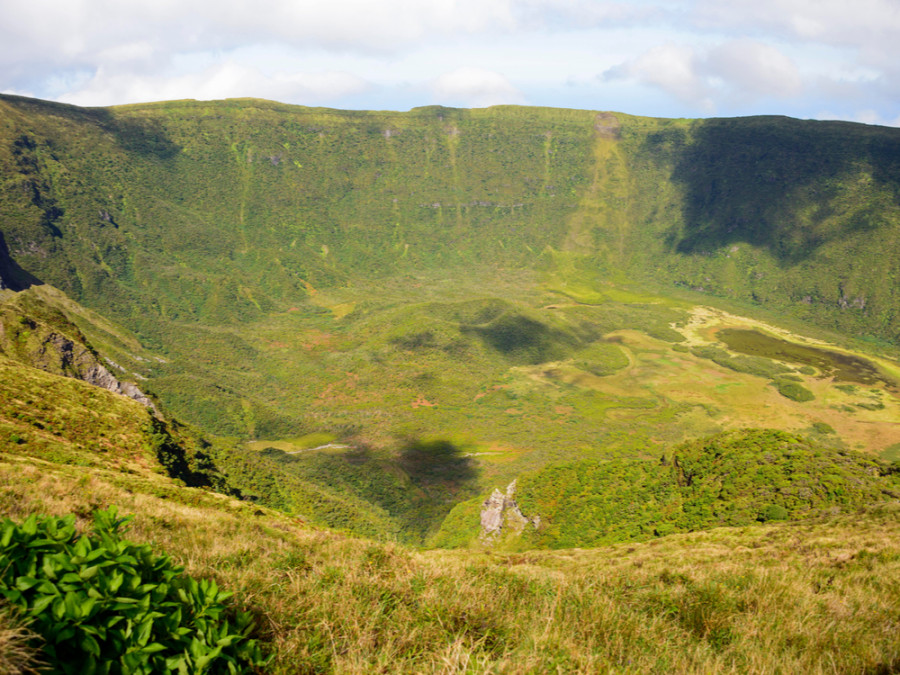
(821, 59)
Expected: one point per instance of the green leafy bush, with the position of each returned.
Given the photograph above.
(773, 512)
(104, 605)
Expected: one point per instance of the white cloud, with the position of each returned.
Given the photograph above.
(474, 87)
(836, 22)
(672, 68)
(227, 80)
(738, 71)
(66, 31)
(874, 117)
(582, 14)
(681, 56)
(754, 69)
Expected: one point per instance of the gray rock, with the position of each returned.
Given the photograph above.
(500, 514)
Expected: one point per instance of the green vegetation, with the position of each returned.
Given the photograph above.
(602, 358)
(731, 479)
(810, 596)
(368, 320)
(753, 365)
(104, 605)
(843, 367)
(262, 251)
(793, 390)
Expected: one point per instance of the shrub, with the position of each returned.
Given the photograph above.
(794, 391)
(104, 605)
(773, 512)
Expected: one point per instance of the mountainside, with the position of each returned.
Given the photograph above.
(220, 211)
(265, 330)
(733, 479)
(395, 313)
(181, 219)
(813, 596)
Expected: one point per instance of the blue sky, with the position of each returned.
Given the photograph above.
(825, 59)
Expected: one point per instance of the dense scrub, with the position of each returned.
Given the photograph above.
(733, 479)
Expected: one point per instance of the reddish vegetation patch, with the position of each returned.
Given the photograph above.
(316, 339)
(293, 309)
(479, 395)
(278, 345)
(343, 392)
(422, 402)
(564, 410)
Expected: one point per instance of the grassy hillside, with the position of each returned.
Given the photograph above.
(818, 596)
(773, 211)
(219, 232)
(371, 317)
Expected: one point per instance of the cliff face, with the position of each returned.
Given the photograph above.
(42, 337)
(224, 211)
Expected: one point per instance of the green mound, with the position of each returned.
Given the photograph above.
(732, 479)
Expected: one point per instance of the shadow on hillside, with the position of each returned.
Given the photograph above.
(441, 464)
(141, 135)
(433, 476)
(443, 475)
(12, 276)
(524, 340)
(747, 180)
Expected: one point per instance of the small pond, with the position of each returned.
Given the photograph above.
(843, 367)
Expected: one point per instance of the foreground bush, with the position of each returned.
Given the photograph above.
(104, 605)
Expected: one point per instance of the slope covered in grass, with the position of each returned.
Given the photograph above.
(811, 596)
(816, 596)
(234, 237)
(735, 479)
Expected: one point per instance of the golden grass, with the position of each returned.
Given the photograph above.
(18, 646)
(815, 597)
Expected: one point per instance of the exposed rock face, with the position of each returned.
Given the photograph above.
(76, 360)
(33, 342)
(101, 377)
(500, 514)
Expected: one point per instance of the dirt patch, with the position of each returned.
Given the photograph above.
(422, 402)
(606, 125)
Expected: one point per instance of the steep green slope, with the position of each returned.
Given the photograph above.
(202, 225)
(734, 479)
(469, 280)
(775, 211)
(812, 597)
(404, 310)
(58, 403)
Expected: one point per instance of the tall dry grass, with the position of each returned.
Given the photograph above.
(19, 647)
(814, 597)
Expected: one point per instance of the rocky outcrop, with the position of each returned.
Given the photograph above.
(99, 376)
(501, 515)
(36, 343)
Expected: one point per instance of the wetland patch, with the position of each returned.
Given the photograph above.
(843, 367)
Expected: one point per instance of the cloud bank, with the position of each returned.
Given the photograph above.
(657, 57)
